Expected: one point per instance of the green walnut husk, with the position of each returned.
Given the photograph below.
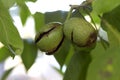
(50, 37)
(80, 32)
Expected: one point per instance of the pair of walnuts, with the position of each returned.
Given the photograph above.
(77, 30)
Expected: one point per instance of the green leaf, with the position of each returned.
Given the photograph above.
(112, 26)
(23, 1)
(113, 18)
(104, 43)
(9, 35)
(31, 0)
(58, 16)
(98, 50)
(24, 12)
(103, 6)
(95, 18)
(63, 52)
(39, 20)
(8, 3)
(29, 54)
(4, 53)
(19, 2)
(106, 66)
(6, 74)
(113, 33)
(58, 70)
(77, 67)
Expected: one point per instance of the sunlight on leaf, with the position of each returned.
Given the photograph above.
(103, 6)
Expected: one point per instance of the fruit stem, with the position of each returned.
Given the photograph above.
(85, 61)
(69, 13)
(71, 9)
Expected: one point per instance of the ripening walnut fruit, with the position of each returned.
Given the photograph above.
(50, 37)
(80, 32)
